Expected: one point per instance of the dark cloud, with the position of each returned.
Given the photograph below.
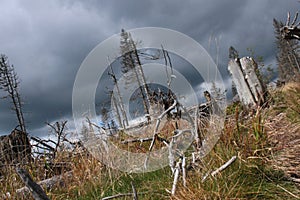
(47, 41)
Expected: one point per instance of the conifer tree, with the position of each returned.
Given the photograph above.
(9, 83)
(132, 67)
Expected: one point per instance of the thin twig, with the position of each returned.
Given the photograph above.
(58, 128)
(288, 19)
(145, 140)
(135, 196)
(117, 196)
(42, 142)
(229, 162)
(137, 140)
(121, 195)
(295, 19)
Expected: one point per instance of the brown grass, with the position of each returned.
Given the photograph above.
(265, 141)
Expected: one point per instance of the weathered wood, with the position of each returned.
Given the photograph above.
(229, 162)
(47, 183)
(176, 176)
(238, 78)
(249, 88)
(158, 123)
(15, 148)
(249, 67)
(35, 189)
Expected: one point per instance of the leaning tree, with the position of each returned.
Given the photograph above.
(9, 82)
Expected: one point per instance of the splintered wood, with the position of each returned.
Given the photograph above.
(249, 88)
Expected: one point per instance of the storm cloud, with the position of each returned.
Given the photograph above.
(47, 41)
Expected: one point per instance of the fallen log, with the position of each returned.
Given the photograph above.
(47, 183)
(35, 189)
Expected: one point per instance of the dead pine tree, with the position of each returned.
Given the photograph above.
(15, 147)
(9, 83)
(132, 67)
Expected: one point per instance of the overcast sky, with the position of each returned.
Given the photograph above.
(47, 40)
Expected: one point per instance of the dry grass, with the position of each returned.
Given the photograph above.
(265, 141)
(284, 130)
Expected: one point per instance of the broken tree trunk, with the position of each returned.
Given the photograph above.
(249, 67)
(35, 189)
(47, 183)
(249, 88)
(14, 148)
(243, 90)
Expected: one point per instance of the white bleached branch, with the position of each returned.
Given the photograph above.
(229, 162)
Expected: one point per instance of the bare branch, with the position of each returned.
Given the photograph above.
(134, 193)
(145, 140)
(158, 123)
(183, 170)
(288, 19)
(42, 142)
(295, 19)
(58, 128)
(176, 176)
(229, 162)
(121, 195)
(293, 195)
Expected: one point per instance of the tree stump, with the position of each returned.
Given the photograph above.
(14, 148)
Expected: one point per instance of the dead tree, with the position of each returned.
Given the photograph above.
(131, 65)
(44, 145)
(119, 99)
(287, 55)
(250, 68)
(9, 83)
(58, 128)
(244, 74)
(15, 148)
(291, 30)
